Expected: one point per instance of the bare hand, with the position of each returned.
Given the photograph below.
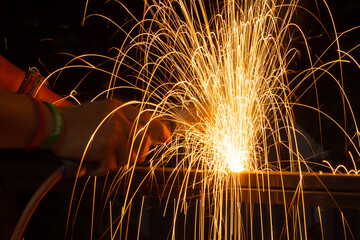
(113, 144)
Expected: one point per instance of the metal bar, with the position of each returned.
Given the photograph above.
(312, 189)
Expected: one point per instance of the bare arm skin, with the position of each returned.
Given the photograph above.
(110, 147)
(18, 120)
(11, 78)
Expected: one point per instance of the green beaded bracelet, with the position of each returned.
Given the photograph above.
(58, 127)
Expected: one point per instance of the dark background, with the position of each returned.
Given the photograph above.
(47, 35)
(39, 33)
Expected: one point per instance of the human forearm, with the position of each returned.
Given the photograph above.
(107, 125)
(11, 78)
(19, 120)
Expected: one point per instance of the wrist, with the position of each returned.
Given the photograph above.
(57, 146)
(56, 124)
(31, 83)
(49, 126)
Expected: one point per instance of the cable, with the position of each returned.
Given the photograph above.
(68, 168)
(35, 201)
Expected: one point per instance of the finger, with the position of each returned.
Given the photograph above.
(107, 164)
(124, 146)
(122, 152)
(141, 147)
(144, 149)
(158, 132)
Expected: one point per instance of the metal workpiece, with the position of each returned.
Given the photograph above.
(290, 188)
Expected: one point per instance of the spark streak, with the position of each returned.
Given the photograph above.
(220, 74)
(227, 72)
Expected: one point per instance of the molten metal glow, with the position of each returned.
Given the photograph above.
(230, 68)
(220, 74)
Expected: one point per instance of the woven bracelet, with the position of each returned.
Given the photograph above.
(58, 127)
(31, 83)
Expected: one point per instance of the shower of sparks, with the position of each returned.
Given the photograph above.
(228, 72)
(218, 73)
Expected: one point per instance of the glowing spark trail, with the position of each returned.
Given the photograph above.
(219, 73)
(227, 70)
(231, 70)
